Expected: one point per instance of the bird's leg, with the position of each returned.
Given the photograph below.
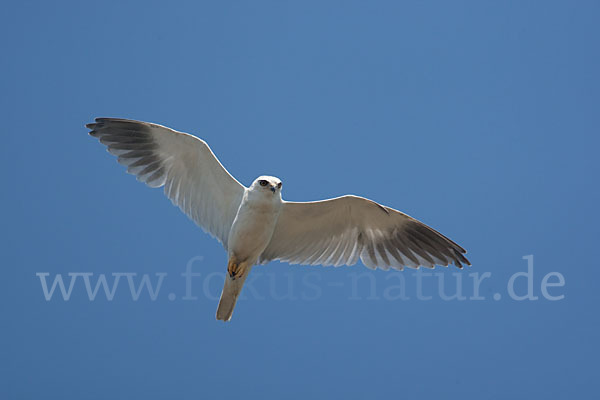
(235, 269)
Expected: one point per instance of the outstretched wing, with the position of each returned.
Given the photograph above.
(340, 231)
(193, 178)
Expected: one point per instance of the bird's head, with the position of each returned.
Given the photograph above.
(267, 184)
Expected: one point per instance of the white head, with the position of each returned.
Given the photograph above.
(267, 184)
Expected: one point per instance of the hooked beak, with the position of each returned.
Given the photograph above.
(273, 189)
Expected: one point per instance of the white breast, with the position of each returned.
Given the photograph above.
(253, 225)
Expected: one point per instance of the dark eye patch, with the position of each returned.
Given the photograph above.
(263, 182)
(279, 185)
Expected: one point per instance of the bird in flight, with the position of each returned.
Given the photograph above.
(255, 225)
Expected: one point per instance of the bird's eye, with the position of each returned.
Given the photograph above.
(279, 185)
(263, 182)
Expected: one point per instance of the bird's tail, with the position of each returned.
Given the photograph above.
(229, 296)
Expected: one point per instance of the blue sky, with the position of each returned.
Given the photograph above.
(479, 118)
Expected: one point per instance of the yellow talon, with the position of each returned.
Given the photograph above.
(234, 269)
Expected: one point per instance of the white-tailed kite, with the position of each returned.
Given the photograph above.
(255, 225)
